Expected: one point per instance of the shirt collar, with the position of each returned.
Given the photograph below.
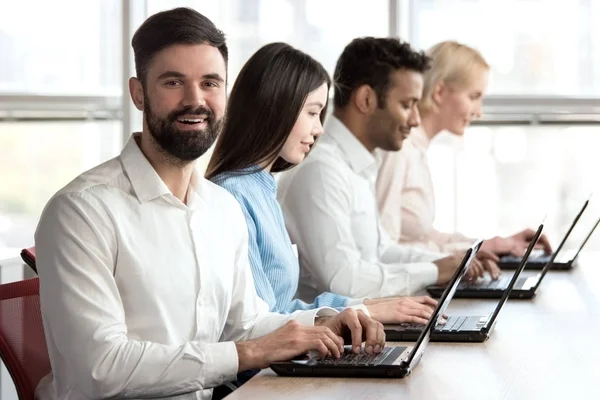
(147, 184)
(358, 157)
(419, 139)
(265, 179)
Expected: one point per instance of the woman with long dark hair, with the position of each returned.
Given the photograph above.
(274, 116)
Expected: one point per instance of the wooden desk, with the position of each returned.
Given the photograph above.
(545, 348)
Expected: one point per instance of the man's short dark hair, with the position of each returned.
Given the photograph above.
(177, 26)
(369, 61)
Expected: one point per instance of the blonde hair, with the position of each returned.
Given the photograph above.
(452, 63)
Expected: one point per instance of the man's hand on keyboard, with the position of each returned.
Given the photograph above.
(359, 326)
(516, 244)
(287, 342)
(485, 261)
(447, 266)
(394, 310)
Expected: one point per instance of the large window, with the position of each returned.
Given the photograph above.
(60, 78)
(38, 158)
(497, 180)
(543, 47)
(319, 27)
(66, 47)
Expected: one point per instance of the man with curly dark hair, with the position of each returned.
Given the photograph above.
(329, 202)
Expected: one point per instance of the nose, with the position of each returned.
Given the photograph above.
(414, 119)
(478, 110)
(318, 129)
(193, 96)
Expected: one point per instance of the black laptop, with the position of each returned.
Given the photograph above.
(564, 261)
(487, 288)
(392, 362)
(465, 328)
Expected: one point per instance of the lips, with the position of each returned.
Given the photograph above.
(189, 120)
(307, 146)
(192, 115)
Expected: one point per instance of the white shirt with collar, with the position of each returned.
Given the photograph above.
(142, 295)
(329, 206)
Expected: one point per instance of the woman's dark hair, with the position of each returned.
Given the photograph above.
(177, 26)
(264, 104)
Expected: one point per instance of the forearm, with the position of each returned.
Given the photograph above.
(136, 369)
(255, 353)
(449, 242)
(409, 253)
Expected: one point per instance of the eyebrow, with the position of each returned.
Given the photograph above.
(174, 74)
(214, 76)
(315, 103)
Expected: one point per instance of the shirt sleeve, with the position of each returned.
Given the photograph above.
(325, 299)
(449, 242)
(318, 201)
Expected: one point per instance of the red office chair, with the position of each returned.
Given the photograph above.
(28, 255)
(22, 343)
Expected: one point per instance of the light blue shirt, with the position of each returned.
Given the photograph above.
(272, 258)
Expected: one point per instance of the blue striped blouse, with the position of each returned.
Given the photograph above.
(274, 264)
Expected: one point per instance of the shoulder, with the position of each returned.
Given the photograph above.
(103, 177)
(219, 196)
(325, 152)
(324, 162)
(89, 190)
(315, 178)
(240, 186)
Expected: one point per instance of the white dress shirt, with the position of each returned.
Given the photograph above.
(143, 296)
(406, 201)
(328, 202)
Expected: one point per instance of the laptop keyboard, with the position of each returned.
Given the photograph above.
(500, 284)
(453, 324)
(516, 260)
(362, 358)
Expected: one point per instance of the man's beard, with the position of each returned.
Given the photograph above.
(184, 146)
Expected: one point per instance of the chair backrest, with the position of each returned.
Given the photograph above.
(22, 343)
(28, 255)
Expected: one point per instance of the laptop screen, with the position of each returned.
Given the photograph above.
(443, 302)
(549, 263)
(562, 242)
(586, 240)
(515, 276)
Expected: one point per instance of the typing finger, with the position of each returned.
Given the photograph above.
(372, 334)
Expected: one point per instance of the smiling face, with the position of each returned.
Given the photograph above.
(459, 105)
(183, 99)
(307, 127)
(391, 124)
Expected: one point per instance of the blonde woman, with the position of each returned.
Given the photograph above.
(452, 97)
